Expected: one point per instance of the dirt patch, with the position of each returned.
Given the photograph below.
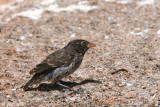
(123, 68)
(5, 1)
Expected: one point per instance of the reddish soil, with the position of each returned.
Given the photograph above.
(122, 70)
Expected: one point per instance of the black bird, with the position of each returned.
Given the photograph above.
(60, 64)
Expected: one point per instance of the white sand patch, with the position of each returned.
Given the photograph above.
(137, 31)
(124, 1)
(82, 2)
(81, 7)
(33, 14)
(146, 2)
(19, 0)
(109, 0)
(119, 1)
(36, 13)
(47, 2)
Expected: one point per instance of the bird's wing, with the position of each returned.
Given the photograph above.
(56, 59)
(40, 67)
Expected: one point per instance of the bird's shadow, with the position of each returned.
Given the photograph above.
(50, 87)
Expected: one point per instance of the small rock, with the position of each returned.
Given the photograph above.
(122, 85)
(73, 35)
(129, 84)
(71, 99)
(21, 37)
(158, 32)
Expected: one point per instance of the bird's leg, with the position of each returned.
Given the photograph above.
(64, 86)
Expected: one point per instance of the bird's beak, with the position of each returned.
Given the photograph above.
(90, 45)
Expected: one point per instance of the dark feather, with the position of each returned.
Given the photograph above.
(56, 59)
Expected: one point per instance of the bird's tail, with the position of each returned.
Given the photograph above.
(34, 80)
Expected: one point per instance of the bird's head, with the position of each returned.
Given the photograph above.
(80, 46)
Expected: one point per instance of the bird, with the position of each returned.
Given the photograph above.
(60, 64)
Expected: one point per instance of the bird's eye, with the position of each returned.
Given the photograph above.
(83, 43)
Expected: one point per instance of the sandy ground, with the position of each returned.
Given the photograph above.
(122, 70)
